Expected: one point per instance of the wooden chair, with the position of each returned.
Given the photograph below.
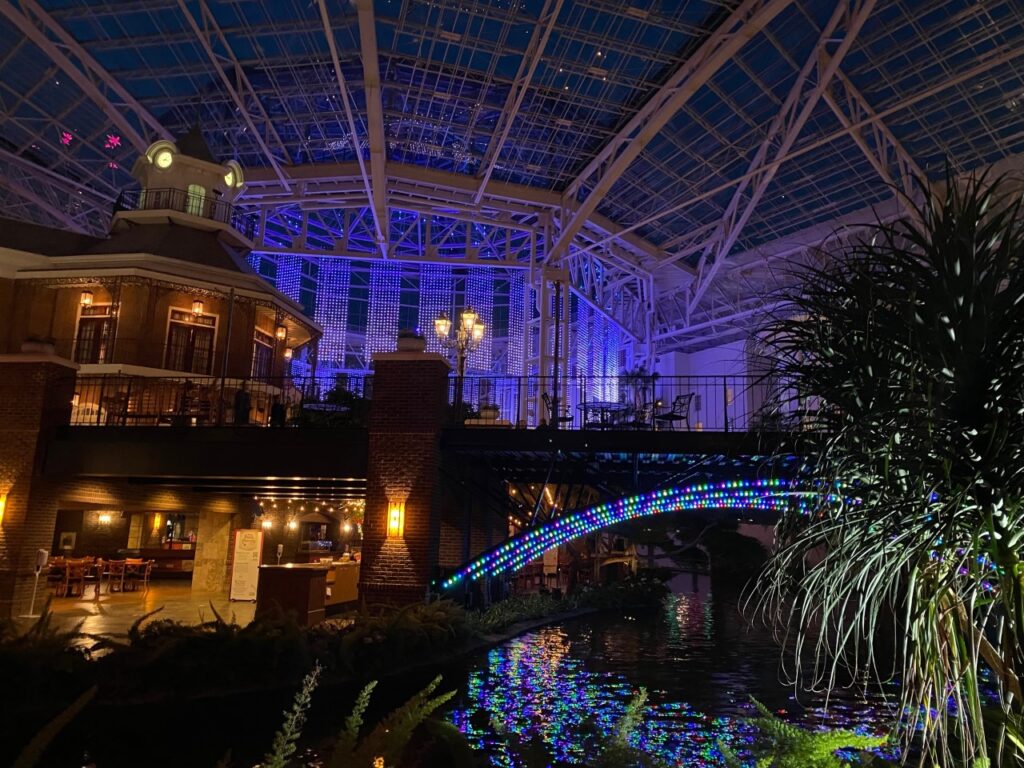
(73, 584)
(680, 411)
(133, 570)
(146, 574)
(115, 575)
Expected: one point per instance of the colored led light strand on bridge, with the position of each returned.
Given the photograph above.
(772, 495)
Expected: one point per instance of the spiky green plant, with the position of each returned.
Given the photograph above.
(908, 348)
(790, 746)
(384, 745)
(287, 737)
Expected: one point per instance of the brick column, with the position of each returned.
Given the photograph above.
(35, 398)
(407, 412)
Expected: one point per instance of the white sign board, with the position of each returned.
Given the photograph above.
(245, 564)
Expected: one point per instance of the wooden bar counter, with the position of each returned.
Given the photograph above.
(298, 588)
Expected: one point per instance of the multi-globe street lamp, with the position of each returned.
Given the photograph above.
(468, 333)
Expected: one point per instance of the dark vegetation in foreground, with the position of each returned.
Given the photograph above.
(46, 668)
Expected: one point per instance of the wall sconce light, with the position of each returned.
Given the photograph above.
(288, 353)
(396, 519)
(346, 527)
(105, 518)
(75, 400)
(293, 524)
(267, 523)
(86, 298)
(281, 333)
(3, 505)
(157, 521)
(197, 308)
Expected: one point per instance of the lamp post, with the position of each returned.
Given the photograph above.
(469, 332)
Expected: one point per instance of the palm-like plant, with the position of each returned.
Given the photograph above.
(911, 344)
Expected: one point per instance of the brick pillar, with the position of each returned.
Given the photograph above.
(35, 398)
(407, 412)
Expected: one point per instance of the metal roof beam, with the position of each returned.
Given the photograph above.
(40, 202)
(96, 83)
(210, 29)
(849, 16)
(517, 91)
(374, 107)
(380, 225)
(740, 27)
(888, 151)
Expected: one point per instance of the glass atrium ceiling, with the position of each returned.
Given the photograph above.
(926, 79)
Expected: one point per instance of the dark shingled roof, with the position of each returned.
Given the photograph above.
(174, 241)
(35, 238)
(194, 145)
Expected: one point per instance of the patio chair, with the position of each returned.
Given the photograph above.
(73, 584)
(555, 416)
(680, 412)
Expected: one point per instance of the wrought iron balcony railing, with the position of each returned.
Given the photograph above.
(179, 200)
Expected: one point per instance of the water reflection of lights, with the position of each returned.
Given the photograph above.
(555, 685)
(534, 688)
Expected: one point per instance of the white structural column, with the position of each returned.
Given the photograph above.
(244, 94)
(847, 20)
(380, 226)
(742, 25)
(374, 109)
(517, 91)
(885, 150)
(96, 83)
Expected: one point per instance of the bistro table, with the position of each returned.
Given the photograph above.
(608, 413)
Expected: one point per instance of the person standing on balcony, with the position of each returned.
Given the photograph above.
(243, 405)
(277, 412)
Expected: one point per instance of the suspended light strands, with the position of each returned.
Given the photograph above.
(289, 275)
(333, 281)
(437, 295)
(385, 294)
(772, 495)
(515, 351)
(480, 296)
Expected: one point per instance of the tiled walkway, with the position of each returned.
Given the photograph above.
(114, 613)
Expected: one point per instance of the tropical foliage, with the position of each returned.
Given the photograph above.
(784, 745)
(906, 354)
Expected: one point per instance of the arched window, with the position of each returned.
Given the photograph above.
(195, 203)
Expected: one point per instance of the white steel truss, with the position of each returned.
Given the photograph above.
(208, 32)
(782, 133)
(117, 103)
(742, 25)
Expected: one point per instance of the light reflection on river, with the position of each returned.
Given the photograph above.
(698, 660)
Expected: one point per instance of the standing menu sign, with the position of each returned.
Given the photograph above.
(245, 564)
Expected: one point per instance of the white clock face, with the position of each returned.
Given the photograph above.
(229, 178)
(164, 158)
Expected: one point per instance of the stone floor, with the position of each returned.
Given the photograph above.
(114, 613)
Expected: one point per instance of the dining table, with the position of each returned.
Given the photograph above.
(608, 413)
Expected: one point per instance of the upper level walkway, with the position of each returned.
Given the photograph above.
(648, 404)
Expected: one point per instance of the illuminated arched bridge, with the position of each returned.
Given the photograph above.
(768, 495)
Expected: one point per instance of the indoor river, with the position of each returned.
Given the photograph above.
(698, 659)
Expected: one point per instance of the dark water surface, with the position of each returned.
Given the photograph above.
(698, 659)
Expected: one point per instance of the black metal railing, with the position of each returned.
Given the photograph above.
(201, 401)
(182, 201)
(612, 403)
(695, 403)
